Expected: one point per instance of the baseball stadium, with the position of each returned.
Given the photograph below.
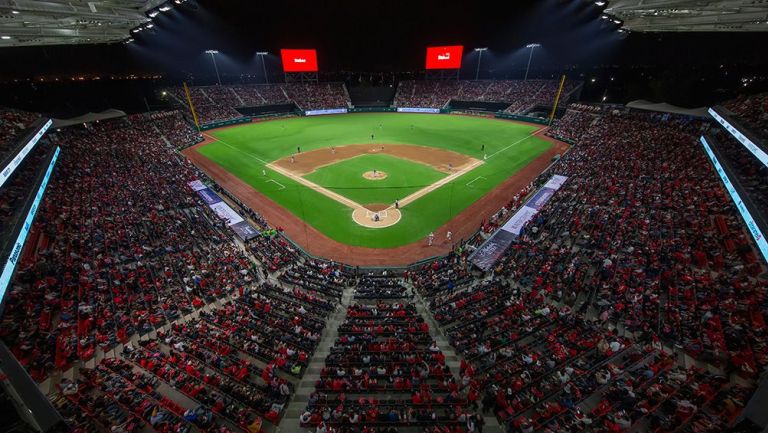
(243, 217)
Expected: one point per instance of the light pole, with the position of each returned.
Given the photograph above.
(479, 59)
(532, 47)
(263, 65)
(213, 57)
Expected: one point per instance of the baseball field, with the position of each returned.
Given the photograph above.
(378, 180)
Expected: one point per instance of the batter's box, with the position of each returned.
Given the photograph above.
(371, 214)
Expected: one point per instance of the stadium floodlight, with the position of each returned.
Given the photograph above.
(15, 12)
(5, 37)
(153, 13)
(600, 3)
(165, 8)
(479, 59)
(532, 46)
(605, 17)
(263, 65)
(215, 67)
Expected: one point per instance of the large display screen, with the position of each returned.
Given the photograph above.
(299, 60)
(446, 57)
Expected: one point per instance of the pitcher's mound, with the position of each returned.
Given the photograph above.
(378, 175)
(376, 216)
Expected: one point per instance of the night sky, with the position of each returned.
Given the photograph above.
(379, 35)
(391, 36)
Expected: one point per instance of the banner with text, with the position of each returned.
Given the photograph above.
(418, 110)
(241, 227)
(488, 253)
(326, 111)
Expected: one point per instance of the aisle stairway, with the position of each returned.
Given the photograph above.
(305, 387)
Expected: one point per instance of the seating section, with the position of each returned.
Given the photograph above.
(752, 110)
(749, 171)
(630, 302)
(122, 247)
(385, 369)
(12, 123)
(521, 95)
(215, 103)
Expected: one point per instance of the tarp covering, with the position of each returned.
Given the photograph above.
(663, 107)
(88, 117)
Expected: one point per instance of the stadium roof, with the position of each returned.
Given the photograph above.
(61, 22)
(691, 15)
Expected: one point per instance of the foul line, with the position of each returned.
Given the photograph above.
(424, 191)
(236, 148)
(474, 180)
(354, 205)
(515, 143)
(340, 198)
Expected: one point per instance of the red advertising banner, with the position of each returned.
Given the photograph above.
(446, 57)
(299, 60)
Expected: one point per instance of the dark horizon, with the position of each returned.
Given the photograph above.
(391, 37)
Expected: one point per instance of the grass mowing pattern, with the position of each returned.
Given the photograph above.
(244, 150)
(403, 178)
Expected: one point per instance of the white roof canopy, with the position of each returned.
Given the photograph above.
(691, 15)
(663, 107)
(60, 22)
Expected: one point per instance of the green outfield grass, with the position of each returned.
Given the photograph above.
(403, 178)
(245, 150)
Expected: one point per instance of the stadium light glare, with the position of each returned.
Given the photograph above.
(5, 37)
(532, 46)
(605, 17)
(600, 3)
(479, 59)
(261, 54)
(15, 12)
(165, 8)
(153, 13)
(215, 67)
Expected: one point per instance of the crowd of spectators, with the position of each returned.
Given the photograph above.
(640, 250)
(752, 110)
(12, 123)
(385, 370)
(309, 96)
(214, 103)
(749, 172)
(211, 103)
(521, 95)
(120, 246)
(644, 228)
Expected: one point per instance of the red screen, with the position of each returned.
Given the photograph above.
(448, 57)
(299, 60)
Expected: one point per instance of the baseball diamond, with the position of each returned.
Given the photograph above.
(436, 167)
